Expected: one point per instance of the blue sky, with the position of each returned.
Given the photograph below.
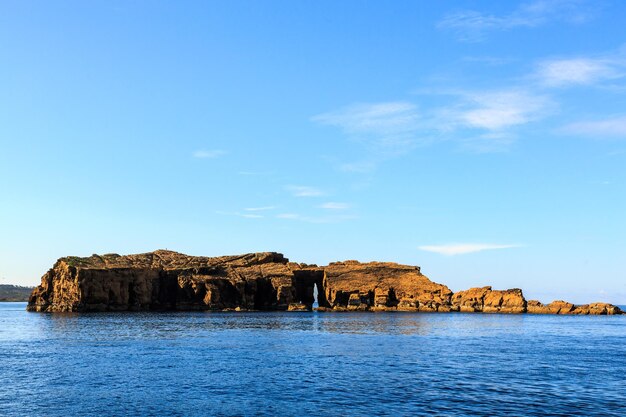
(484, 141)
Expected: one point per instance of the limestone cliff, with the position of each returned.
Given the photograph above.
(166, 280)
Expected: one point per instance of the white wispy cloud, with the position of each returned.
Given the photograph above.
(498, 110)
(304, 191)
(335, 206)
(386, 128)
(463, 248)
(472, 25)
(292, 216)
(238, 214)
(260, 208)
(613, 127)
(315, 219)
(381, 118)
(490, 116)
(488, 121)
(358, 167)
(209, 154)
(579, 71)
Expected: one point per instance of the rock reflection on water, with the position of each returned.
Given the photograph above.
(201, 324)
(250, 364)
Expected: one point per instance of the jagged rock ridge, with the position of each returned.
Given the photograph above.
(167, 280)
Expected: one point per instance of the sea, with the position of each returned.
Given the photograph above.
(310, 364)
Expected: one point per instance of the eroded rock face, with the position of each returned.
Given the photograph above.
(352, 285)
(563, 307)
(487, 300)
(555, 307)
(598, 309)
(166, 280)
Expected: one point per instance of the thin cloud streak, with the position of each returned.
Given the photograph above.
(396, 129)
(304, 191)
(237, 214)
(251, 216)
(335, 206)
(386, 128)
(579, 71)
(260, 208)
(288, 216)
(463, 248)
(473, 26)
(614, 127)
(358, 167)
(315, 219)
(381, 118)
(498, 110)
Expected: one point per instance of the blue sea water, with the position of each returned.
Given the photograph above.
(328, 364)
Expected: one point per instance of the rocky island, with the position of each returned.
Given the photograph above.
(167, 280)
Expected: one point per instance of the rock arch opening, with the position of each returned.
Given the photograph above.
(309, 285)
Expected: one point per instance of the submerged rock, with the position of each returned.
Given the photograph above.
(298, 307)
(167, 280)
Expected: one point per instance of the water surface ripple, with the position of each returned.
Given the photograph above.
(287, 364)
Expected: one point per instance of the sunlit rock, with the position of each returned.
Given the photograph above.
(166, 280)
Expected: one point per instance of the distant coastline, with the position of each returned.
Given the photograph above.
(14, 293)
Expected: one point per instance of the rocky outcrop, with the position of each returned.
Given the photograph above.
(597, 309)
(563, 307)
(487, 300)
(352, 285)
(555, 307)
(166, 280)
